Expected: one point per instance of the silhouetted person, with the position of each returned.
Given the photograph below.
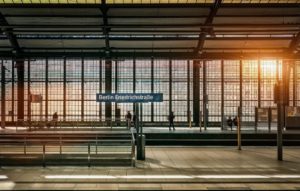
(235, 121)
(128, 118)
(55, 119)
(230, 122)
(171, 120)
(134, 120)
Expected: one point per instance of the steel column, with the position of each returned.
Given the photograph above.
(82, 89)
(47, 90)
(294, 84)
(108, 88)
(170, 86)
(3, 109)
(152, 89)
(259, 84)
(241, 92)
(64, 89)
(196, 92)
(100, 88)
(134, 79)
(116, 83)
(222, 95)
(13, 90)
(29, 92)
(188, 92)
(205, 97)
(20, 85)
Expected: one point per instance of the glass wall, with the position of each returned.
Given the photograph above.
(69, 86)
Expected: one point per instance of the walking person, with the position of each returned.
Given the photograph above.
(55, 119)
(128, 118)
(171, 120)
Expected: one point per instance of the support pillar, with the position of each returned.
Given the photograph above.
(259, 84)
(108, 88)
(47, 90)
(82, 89)
(20, 85)
(294, 84)
(100, 88)
(29, 93)
(240, 110)
(205, 97)
(188, 93)
(152, 89)
(13, 91)
(196, 92)
(2, 95)
(222, 95)
(170, 86)
(64, 89)
(283, 101)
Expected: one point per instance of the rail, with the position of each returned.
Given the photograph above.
(53, 144)
(70, 124)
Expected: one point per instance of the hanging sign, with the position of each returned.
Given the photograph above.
(129, 97)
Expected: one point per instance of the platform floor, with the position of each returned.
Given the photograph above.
(150, 130)
(171, 168)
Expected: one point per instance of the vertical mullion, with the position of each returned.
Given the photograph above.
(259, 83)
(64, 89)
(82, 89)
(294, 84)
(222, 94)
(188, 91)
(196, 92)
(205, 117)
(152, 89)
(47, 90)
(170, 86)
(28, 91)
(134, 79)
(13, 89)
(100, 87)
(116, 83)
(241, 88)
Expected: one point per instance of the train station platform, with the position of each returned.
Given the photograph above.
(170, 168)
(182, 136)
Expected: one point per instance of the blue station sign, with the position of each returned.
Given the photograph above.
(129, 97)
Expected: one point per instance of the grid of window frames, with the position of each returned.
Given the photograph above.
(82, 79)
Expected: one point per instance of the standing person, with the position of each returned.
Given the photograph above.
(134, 120)
(171, 121)
(55, 119)
(128, 119)
(235, 121)
(230, 122)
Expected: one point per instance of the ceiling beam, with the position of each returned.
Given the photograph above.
(167, 5)
(95, 16)
(108, 38)
(161, 26)
(208, 21)
(9, 35)
(148, 55)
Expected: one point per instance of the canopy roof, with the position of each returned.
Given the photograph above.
(150, 30)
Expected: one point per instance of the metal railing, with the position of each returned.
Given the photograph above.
(59, 141)
(62, 124)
